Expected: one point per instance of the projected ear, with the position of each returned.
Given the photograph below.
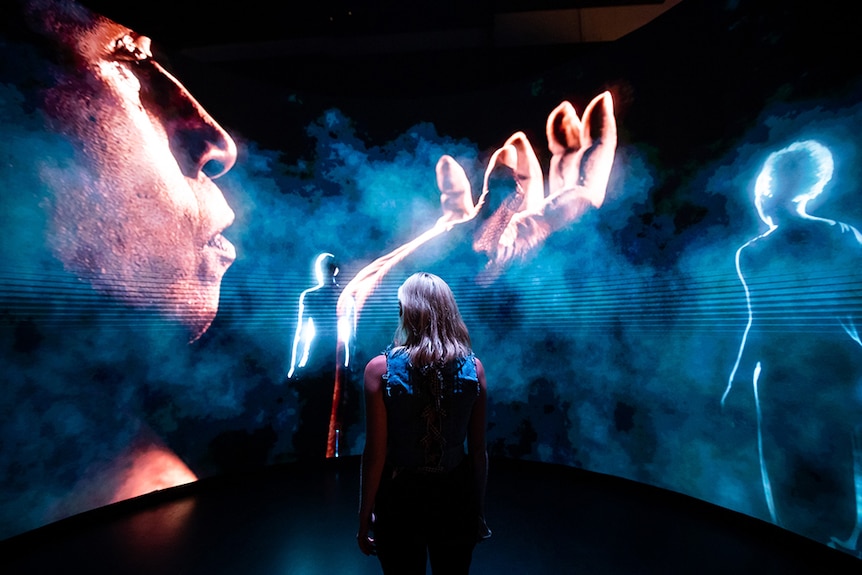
(456, 194)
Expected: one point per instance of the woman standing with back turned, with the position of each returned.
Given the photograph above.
(422, 494)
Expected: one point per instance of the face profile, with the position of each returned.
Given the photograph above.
(137, 214)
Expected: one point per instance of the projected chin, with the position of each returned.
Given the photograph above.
(137, 214)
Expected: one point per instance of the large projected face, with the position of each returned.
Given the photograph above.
(108, 174)
(139, 216)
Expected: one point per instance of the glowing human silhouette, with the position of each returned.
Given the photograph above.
(316, 325)
(800, 350)
(316, 356)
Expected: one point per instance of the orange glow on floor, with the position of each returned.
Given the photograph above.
(152, 468)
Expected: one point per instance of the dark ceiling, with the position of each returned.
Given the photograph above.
(255, 55)
(379, 47)
(186, 24)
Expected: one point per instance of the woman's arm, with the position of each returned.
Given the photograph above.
(374, 455)
(477, 449)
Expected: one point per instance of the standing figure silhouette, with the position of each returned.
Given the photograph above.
(801, 350)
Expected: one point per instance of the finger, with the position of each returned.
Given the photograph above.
(565, 142)
(600, 128)
(518, 156)
(527, 171)
(506, 156)
(583, 149)
(456, 194)
(489, 232)
(563, 129)
(607, 123)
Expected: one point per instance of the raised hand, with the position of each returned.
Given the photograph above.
(582, 150)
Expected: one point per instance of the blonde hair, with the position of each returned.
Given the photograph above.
(430, 325)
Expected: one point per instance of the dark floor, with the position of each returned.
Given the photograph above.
(300, 519)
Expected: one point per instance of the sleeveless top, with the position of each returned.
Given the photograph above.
(427, 411)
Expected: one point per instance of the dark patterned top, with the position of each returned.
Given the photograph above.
(428, 411)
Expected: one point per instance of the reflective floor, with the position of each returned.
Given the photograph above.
(300, 519)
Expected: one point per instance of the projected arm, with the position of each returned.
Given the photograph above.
(850, 320)
(740, 367)
(456, 201)
(302, 339)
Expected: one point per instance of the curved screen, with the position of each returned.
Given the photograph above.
(654, 244)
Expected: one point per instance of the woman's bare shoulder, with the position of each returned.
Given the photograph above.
(375, 368)
(479, 366)
(480, 371)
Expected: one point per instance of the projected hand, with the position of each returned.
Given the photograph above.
(582, 151)
(582, 155)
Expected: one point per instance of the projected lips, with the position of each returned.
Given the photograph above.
(224, 249)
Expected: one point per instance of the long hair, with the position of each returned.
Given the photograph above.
(430, 325)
